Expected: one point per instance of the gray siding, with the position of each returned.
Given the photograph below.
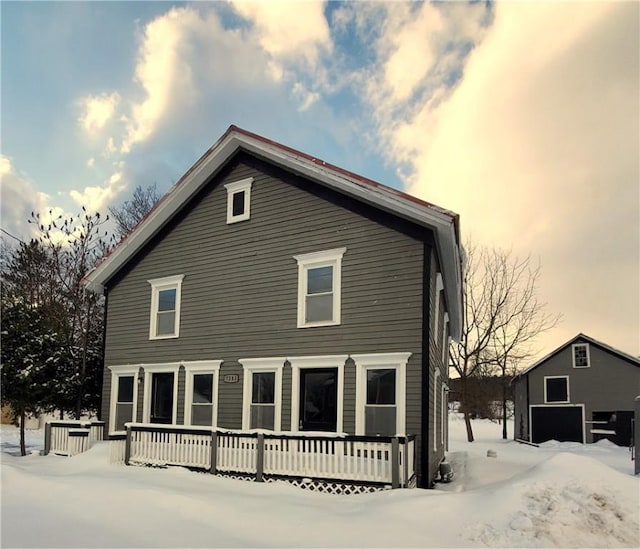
(239, 294)
(609, 384)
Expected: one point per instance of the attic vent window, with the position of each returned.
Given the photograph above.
(581, 357)
(239, 200)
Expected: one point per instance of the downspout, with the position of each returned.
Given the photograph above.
(424, 478)
(527, 411)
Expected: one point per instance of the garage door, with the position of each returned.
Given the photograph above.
(563, 423)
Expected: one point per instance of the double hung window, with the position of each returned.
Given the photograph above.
(581, 358)
(262, 393)
(201, 388)
(165, 307)
(381, 407)
(319, 288)
(124, 394)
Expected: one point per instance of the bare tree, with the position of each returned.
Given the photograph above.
(522, 318)
(133, 211)
(500, 306)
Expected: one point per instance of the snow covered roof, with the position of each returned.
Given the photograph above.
(580, 337)
(443, 223)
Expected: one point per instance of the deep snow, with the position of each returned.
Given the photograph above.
(559, 495)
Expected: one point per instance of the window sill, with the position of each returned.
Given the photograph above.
(154, 338)
(318, 324)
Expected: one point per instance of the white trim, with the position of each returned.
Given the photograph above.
(157, 285)
(441, 221)
(436, 375)
(126, 370)
(251, 366)
(573, 354)
(397, 361)
(443, 409)
(304, 362)
(445, 340)
(326, 258)
(435, 326)
(244, 185)
(557, 405)
(149, 369)
(192, 367)
(556, 401)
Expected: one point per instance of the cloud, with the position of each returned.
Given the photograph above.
(286, 31)
(537, 148)
(97, 198)
(97, 110)
(18, 199)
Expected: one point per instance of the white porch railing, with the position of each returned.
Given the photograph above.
(375, 460)
(69, 438)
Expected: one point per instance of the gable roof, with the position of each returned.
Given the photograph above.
(587, 339)
(443, 223)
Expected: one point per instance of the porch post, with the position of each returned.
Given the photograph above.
(214, 452)
(47, 438)
(395, 463)
(260, 458)
(127, 446)
(405, 463)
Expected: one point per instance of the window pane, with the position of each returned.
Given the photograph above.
(203, 388)
(238, 203)
(201, 414)
(167, 300)
(124, 413)
(320, 280)
(125, 389)
(580, 353)
(319, 307)
(381, 386)
(166, 323)
(380, 420)
(262, 416)
(557, 390)
(264, 387)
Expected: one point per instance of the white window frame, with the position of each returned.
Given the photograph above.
(546, 401)
(116, 372)
(436, 375)
(158, 285)
(326, 258)
(150, 369)
(305, 362)
(196, 367)
(436, 314)
(443, 414)
(445, 341)
(573, 354)
(244, 185)
(381, 361)
(261, 365)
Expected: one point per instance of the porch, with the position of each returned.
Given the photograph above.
(71, 437)
(325, 462)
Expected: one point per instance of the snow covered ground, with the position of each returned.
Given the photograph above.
(559, 495)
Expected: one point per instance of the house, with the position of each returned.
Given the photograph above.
(583, 391)
(291, 304)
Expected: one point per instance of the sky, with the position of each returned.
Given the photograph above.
(524, 118)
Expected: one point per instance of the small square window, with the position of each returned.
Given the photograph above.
(165, 307)
(239, 200)
(581, 357)
(556, 389)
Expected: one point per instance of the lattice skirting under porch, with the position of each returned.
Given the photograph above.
(330, 487)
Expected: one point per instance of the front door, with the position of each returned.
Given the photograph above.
(318, 399)
(162, 398)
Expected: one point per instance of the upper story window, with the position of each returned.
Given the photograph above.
(319, 288)
(581, 358)
(556, 389)
(165, 307)
(239, 200)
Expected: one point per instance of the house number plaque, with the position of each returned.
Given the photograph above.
(231, 378)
